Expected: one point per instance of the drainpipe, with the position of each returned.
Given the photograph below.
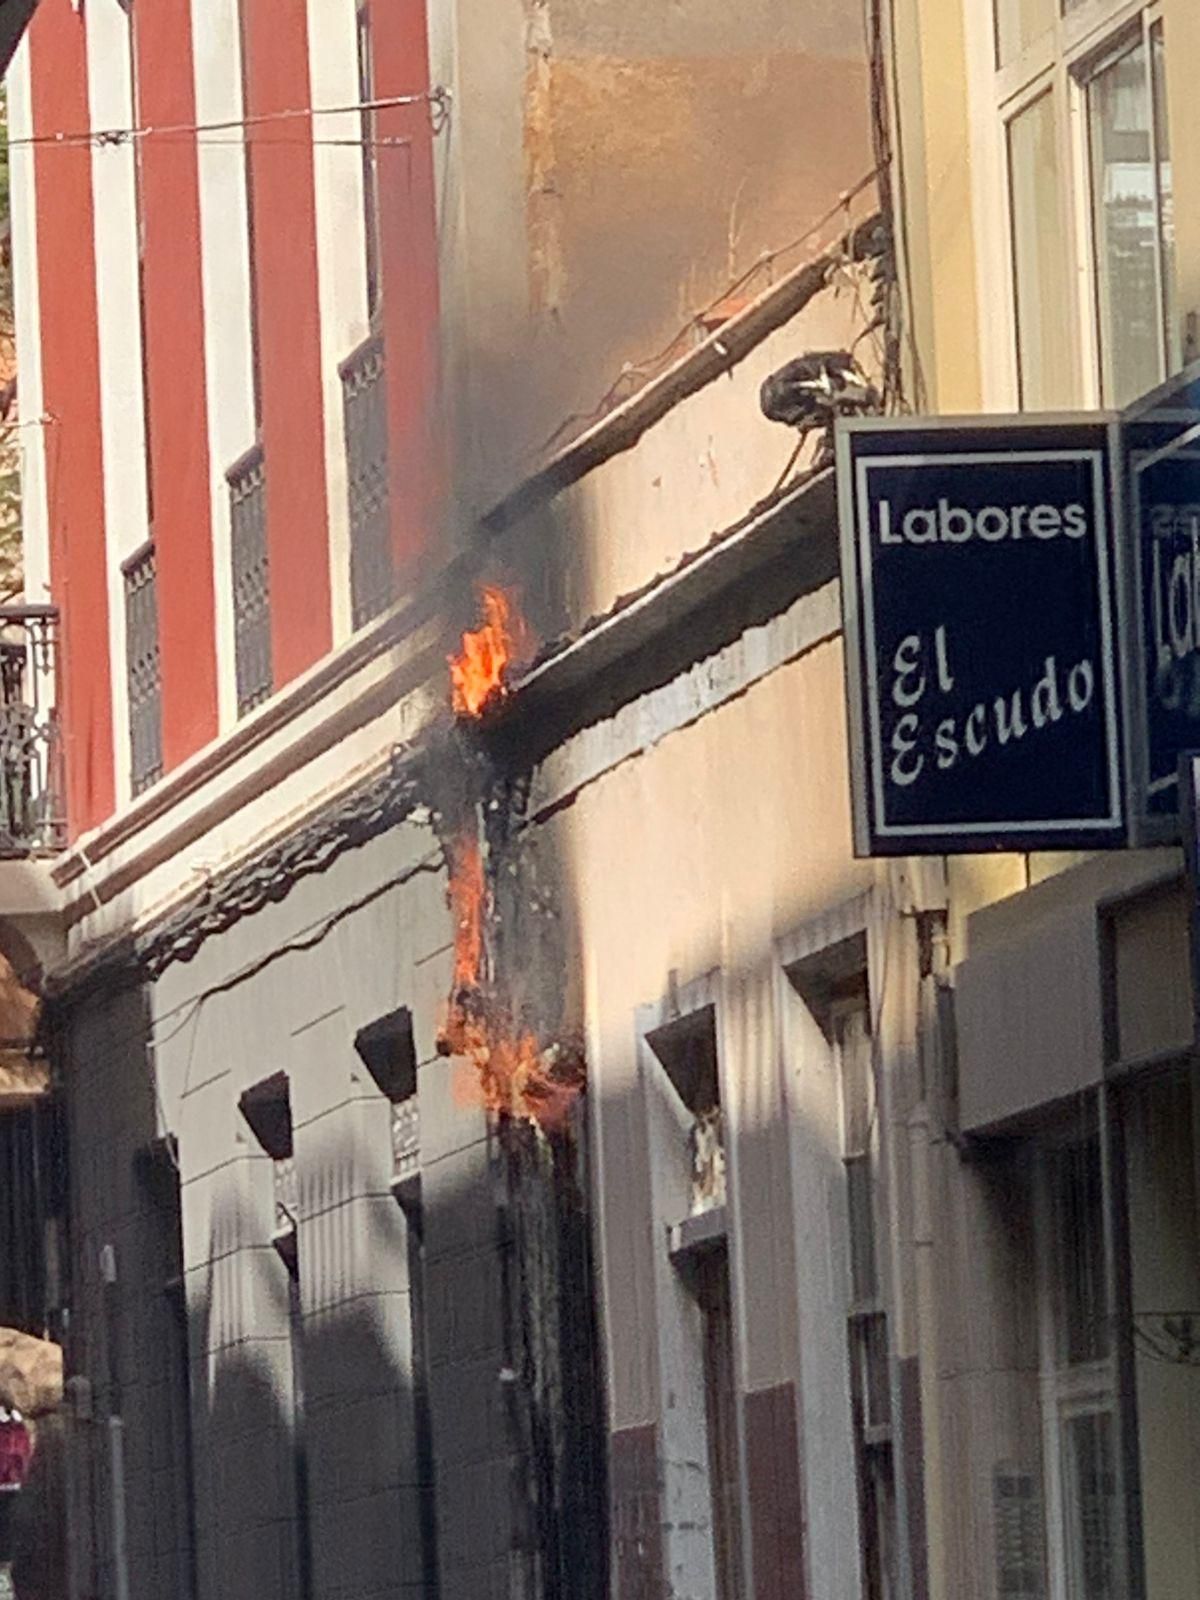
(115, 1427)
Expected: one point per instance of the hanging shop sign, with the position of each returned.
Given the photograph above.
(980, 601)
(1161, 443)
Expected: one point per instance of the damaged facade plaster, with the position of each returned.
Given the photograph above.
(664, 155)
(547, 270)
(608, 172)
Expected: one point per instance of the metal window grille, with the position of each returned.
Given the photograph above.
(1020, 1535)
(287, 1195)
(406, 1138)
(251, 580)
(144, 668)
(32, 806)
(364, 395)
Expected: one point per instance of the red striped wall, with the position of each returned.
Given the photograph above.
(275, 36)
(175, 378)
(71, 383)
(408, 239)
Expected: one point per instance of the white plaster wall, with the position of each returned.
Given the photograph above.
(34, 433)
(122, 393)
(225, 274)
(341, 259)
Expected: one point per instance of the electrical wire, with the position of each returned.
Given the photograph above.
(640, 372)
(439, 98)
(43, 421)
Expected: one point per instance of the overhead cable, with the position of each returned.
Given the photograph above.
(97, 138)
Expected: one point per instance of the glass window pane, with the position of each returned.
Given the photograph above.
(1078, 1221)
(1039, 263)
(1018, 24)
(1090, 1483)
(1125, 226)
(1166, 198)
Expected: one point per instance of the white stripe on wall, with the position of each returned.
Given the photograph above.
(341, 260)
(225, 271)
(122, 395)
(33, 436)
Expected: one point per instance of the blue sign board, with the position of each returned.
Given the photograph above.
(1161, 443)
(980, 596)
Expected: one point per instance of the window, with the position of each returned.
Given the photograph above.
(364, 400)
(143, 669)
(689, 1146)
(1079, 1385)
(1042, 288)
(688, 1052)
(870, 1354)
(1082, 102)
(720, 1413)
(247, 481)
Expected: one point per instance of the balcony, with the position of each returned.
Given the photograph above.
(32, 796)
(364, 398)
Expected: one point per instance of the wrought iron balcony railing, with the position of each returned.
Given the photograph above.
(32, 795)
(364, 397)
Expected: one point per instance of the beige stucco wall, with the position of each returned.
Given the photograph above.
(691, 476)
(609, 172)
(698, 856)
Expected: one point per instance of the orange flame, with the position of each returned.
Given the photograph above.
(506, 1070)
(480, 670)
(466, 903)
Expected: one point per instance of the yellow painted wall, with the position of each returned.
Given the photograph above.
(1181, 28)
(931, 130)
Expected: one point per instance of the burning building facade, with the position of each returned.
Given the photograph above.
(515, 1144)
(316, 304)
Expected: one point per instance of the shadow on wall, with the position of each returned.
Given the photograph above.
(348, 1429)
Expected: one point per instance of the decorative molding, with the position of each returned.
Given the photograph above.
(261, 880)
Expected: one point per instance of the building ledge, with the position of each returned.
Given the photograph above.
(401, 631)
(28, 887)
(742, 578)
(697, 1234)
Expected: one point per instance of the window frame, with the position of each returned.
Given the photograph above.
(692, 1545)
(1061, 62)
(1070, 1390)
